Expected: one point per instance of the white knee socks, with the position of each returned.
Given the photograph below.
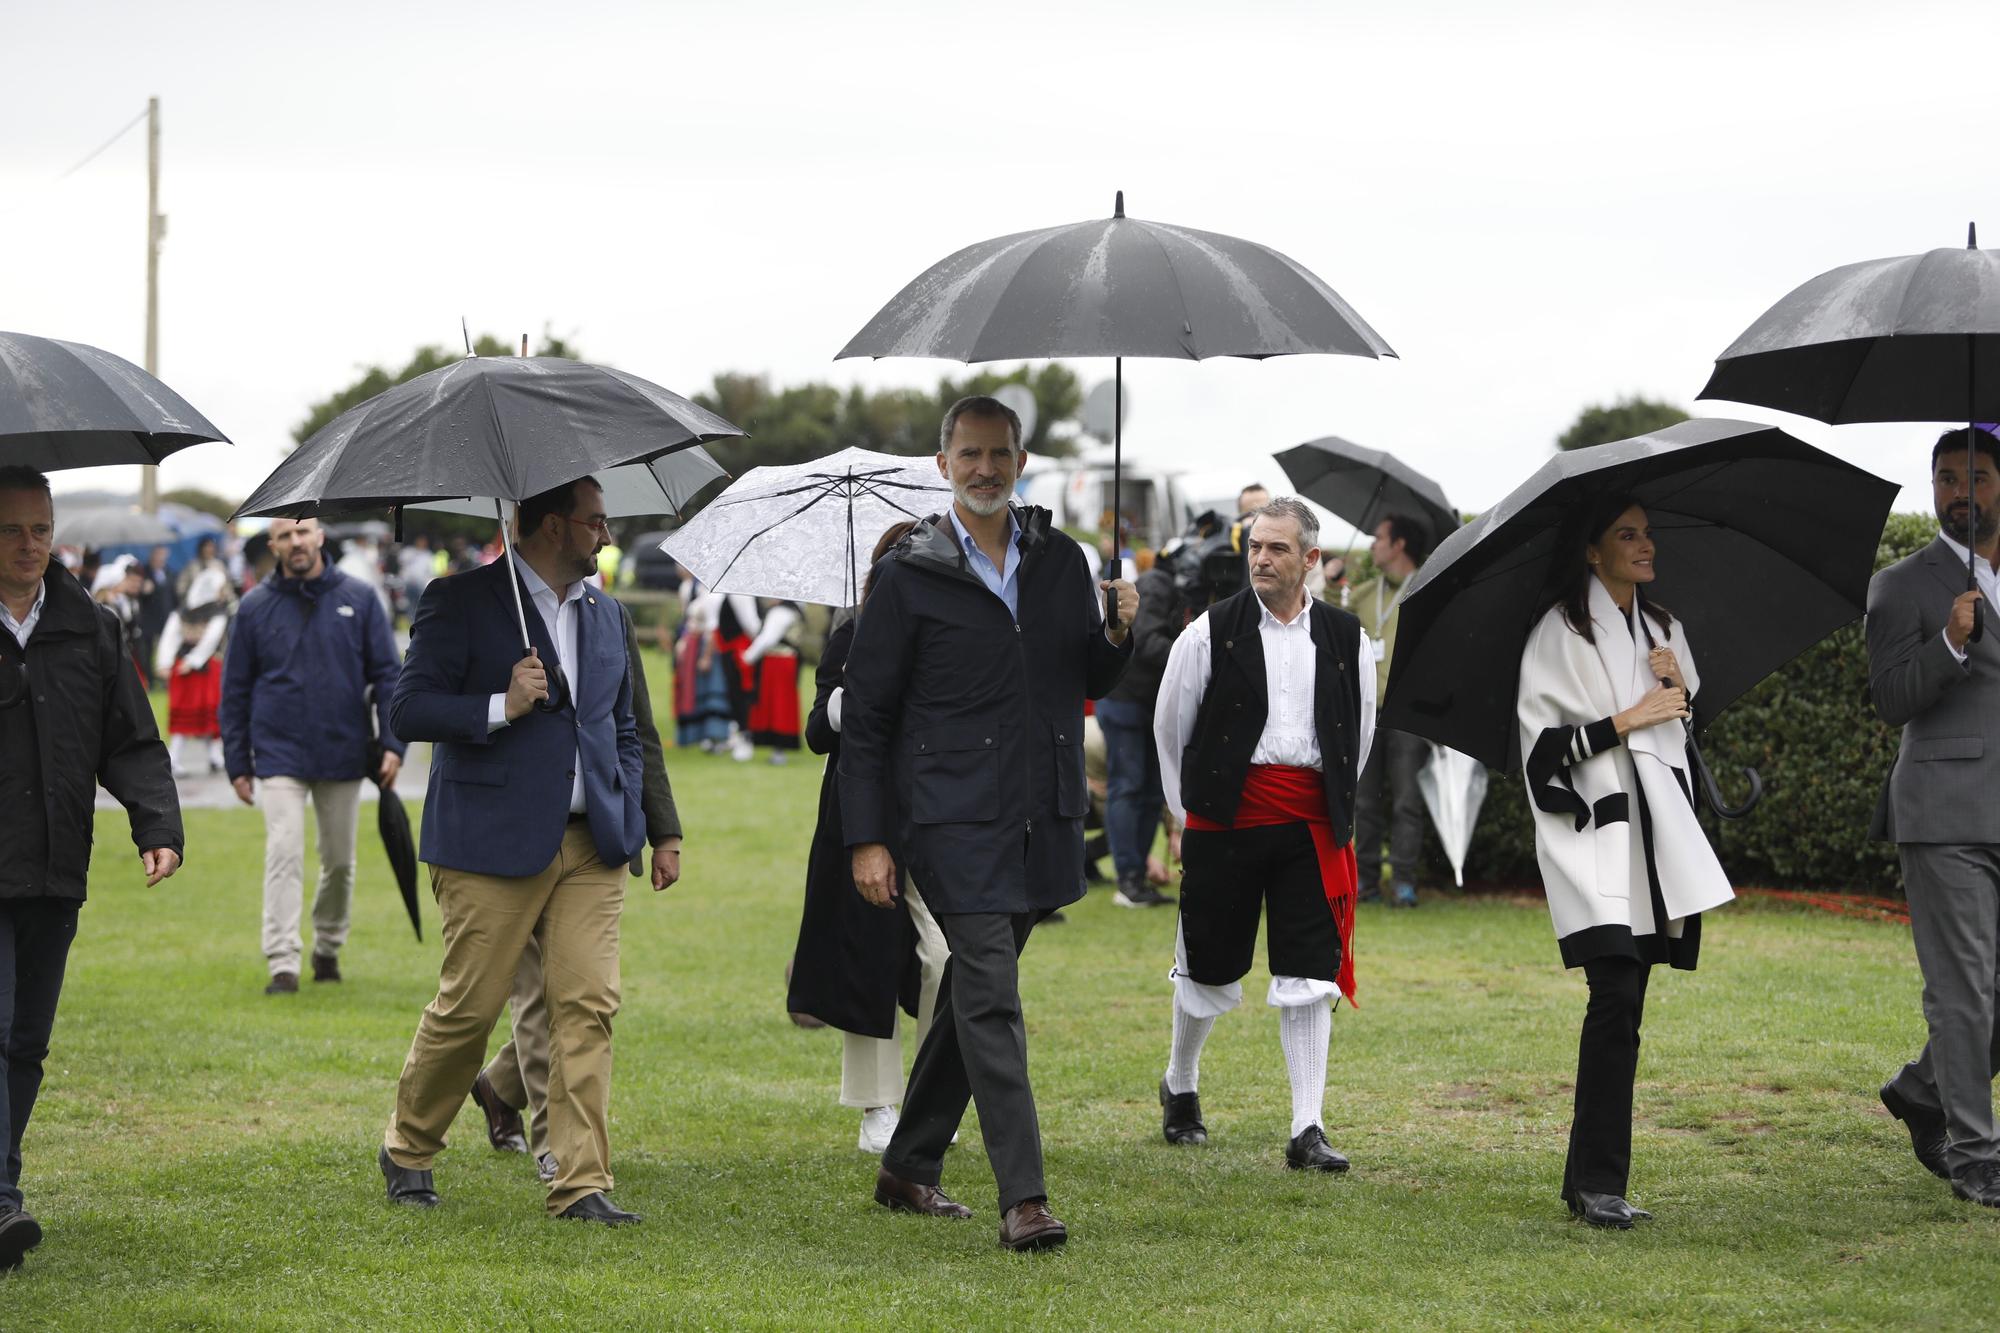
(1304, 1032)
(1184, 1064)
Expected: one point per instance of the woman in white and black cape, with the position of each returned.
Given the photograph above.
(1625, 864)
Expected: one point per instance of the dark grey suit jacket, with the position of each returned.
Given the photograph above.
(656, 795)
(1945, 786)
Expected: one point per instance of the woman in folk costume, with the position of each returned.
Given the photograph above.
(855, 963)
(774, 664)
(704, 703)
(1605, 682)
(190, 659)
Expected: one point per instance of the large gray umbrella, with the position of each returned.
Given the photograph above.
(1766, 546)
(112, 527)
(804, 532)
(1116, 287)
(488, 429)
(1914, 338)
(65, 405)
(1363, 486)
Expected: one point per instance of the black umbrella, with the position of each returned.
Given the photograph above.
(1766, 547)
(103, 525)
(65, 405)
(1115, 287)
(393, 823)
(499, 428)
(1914, 338)
(1363, 486)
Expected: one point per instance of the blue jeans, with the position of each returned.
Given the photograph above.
(1132, 784)
(35, 935)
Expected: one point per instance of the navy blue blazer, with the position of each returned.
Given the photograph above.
(498, 801)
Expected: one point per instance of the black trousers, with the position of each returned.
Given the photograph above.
(1607, 1063)
(977, 1049)
(1398, 757)
(35, 935)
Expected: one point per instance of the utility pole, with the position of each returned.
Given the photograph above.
(156, 230)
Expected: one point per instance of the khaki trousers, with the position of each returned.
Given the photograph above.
(871, 1068)
(571, 912)
(337, 806)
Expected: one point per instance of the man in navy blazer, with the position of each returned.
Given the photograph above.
(532, 813)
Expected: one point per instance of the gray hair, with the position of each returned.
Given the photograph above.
(978, 406)
(1289, 506)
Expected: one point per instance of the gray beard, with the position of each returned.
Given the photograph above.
(983, 508)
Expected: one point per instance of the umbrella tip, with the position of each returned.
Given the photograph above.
(524, 344)
(1118, 209)
(466, 334)
(1972, 235)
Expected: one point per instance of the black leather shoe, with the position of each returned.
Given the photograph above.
(503, 1122)
(1605, 1210)
(1180, 1116)
(1979, 1183)
(1311, 1152)
(597, 1208)
(545, 1167)
(1928, 1138)
(283, 983)
(325, 967)
(413, 1188)
(19, 1233)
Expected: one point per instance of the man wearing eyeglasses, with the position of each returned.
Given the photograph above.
(532, 813)
(72, 715)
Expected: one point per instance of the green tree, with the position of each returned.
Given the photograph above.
(208, 502)
(1622, 420)
(801, 422)
(375, 379)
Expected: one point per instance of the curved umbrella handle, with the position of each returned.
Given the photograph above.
(1712, 790)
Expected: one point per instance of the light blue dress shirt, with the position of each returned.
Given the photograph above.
(1002, 583)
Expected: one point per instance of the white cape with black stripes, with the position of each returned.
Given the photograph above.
(1591, 853)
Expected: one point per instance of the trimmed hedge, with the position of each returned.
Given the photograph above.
(1812, 735)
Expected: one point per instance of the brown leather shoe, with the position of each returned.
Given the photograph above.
(503, 1122)
(1029, 1225)
(906, 1196)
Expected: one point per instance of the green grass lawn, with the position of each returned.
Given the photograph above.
(204, 1156)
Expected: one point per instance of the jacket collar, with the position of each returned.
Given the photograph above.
(933, 543)
(311, 589)
(67, 608)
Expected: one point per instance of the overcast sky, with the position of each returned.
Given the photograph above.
(1538, 205)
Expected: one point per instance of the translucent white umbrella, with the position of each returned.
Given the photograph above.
(1454, 787)
(804, 532)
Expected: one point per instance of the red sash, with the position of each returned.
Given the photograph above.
(1282, 794)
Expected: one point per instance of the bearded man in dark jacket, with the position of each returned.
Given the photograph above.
(73, 714)
(962, 757)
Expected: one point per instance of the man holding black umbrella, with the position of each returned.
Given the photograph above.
(1398, 756)
(1936, 678)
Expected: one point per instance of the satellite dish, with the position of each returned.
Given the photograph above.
(1021, 399)
(1097, 410)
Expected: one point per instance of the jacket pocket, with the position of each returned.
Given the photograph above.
(1947, 747)
(472, 770)
(1072, 791)
(955, 774)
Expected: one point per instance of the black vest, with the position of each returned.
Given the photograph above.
(1216, 763)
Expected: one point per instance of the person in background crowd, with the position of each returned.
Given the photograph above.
(774, 664)
(417, 564)
(1133, 797)
(362, 560)
(703, 706)
(1266, 714)
(854, 965)
(189, 659)
(1934, 673)
(1251, 499)
(1398, 756)
(206, 557)
(118, 586)
(73, 716)
(157, 600)
(310, 642)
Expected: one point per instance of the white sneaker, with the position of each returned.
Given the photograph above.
(878, 1123)
(742, 751)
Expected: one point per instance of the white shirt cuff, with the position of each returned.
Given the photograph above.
(1960, 653)
(833, 706)
(496, 712)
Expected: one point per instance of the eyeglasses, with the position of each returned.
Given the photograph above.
(600, 525)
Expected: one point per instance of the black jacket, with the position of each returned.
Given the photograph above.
(92, 724)
(1162, 616)
(854, 961)
(962, 744)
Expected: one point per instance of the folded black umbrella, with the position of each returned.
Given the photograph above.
(394, 825)
(65, 405)
(1766, 546)
(1364, 486)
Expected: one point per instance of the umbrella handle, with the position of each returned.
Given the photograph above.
(1712, 790)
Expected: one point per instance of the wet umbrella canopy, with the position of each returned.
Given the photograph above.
(1363, 486)
(65, 405)
(1766, 546)
(105, 526)
(1116, 287)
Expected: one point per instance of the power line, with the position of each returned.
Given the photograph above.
(93, 154)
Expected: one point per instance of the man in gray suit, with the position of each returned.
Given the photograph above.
(1929, 676)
